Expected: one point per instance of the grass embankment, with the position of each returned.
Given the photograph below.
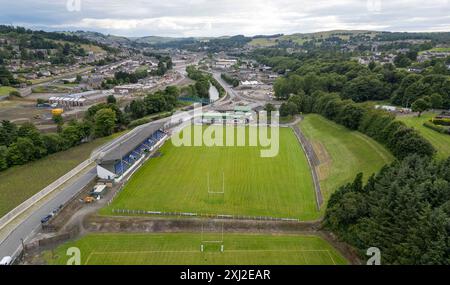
(342, 153)
(5, 90)
(19, 183)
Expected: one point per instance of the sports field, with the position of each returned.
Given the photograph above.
(441, 142)
(342, 153)
(184, 249)
(5, 90)
(177, 181)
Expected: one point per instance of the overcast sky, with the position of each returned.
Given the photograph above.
(185, 18)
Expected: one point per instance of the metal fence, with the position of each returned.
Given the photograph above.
(201, 215)
(313, 161)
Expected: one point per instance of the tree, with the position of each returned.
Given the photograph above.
(350, 116)
(416, 91)
(230, 80)
(364, 88)
(136, 108)
(6, 77)
(269, 108)
(402, 60)
(104, 122)
(202, 87)
(288, 109)
(15, 93)
(173, 91)
(66, 49)
(436, 100)
(412, 55)
(59, 121)
(120, 118)
(8, 133)
(3, 158)
(72, 135)
(28, 130)
(53, 142)
(21, 151)
(284, 87)
(111, 99)
(420, 106)
(403, 210)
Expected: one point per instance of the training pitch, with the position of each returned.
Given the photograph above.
(190, 179)
(440, 141)
(184, 249)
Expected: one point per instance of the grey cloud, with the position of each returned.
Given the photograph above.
(227, 17)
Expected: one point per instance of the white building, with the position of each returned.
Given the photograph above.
(226, 63)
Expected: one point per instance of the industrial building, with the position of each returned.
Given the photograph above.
(73, 100)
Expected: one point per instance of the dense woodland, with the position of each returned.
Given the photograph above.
(203, 81)
(160, 101)
(233, 81)
(404, 210)
(362, 83)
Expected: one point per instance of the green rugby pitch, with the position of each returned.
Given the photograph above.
(177, 181)
(184, 249)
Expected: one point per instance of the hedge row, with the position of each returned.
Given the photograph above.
(442, 122)
(437, 128)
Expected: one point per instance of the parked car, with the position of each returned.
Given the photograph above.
(46, 219)
(56, 210)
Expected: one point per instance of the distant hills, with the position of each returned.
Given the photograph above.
(259, 40)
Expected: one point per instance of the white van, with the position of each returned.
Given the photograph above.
(6, 260)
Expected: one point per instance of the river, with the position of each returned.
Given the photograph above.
(213, 93)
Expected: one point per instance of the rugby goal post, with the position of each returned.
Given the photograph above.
(212, 235)
(216, 191)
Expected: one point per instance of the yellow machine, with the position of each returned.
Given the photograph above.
(88, 200)
(58, 111)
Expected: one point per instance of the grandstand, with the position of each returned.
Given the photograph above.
(125, 156)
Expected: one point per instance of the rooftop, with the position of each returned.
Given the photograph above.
(129, 142)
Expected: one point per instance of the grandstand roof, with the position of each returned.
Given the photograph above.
(129, 143)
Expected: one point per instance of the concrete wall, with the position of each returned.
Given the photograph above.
(104, 173)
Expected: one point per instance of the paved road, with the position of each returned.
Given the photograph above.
(12, 244)
(234, 95)
(225, 85)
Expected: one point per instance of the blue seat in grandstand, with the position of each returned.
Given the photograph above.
(118, 168)
(128, 160)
